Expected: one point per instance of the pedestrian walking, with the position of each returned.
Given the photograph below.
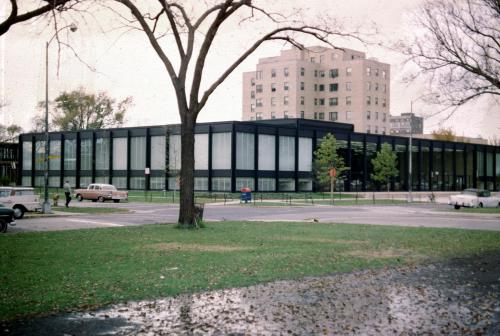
(67, 192)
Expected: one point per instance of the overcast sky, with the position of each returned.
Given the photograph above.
(125, 65)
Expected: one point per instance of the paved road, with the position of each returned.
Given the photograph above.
(143, 213)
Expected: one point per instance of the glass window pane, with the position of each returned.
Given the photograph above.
(221, 151)
(221, 183)
(245, 151)
(86, 154)
(158, 151)
(305, 154)
(54, 181)
(55, 155)
(27, 152)
(286, 184)
(69, 154)
(119, 154)
(201, 151)
(40, 155)
(287, 153)
(85, 181)
(201, 183)
(102, 154)
(138, 183)
(26, 181)
(157, 183)
(138, 153)
(244, 182)
(174, 152)
(119, 182)
(267, 152)
(267, 184)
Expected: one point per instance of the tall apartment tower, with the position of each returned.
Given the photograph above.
(320, 83)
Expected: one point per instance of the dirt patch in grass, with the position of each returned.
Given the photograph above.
(379, 254)
(196, 247)
(320, 240)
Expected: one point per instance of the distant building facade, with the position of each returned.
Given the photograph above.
(339, 85)
(400, 125)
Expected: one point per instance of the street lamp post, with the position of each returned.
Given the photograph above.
(46, 203)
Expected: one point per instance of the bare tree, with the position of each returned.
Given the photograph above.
(178, 21)
(459, 49)
(42, 8)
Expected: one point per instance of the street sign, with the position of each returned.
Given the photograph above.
(147, 171)
(333, 172)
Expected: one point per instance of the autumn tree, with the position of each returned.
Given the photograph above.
(384, 166)
(9, 133)
(184, 56)
(444, 134)
(458, 49)
(326, 158)
(77, 110)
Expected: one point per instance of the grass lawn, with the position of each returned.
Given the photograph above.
(89, 210)
(60, 271)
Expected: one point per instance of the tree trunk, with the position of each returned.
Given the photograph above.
(186, 208)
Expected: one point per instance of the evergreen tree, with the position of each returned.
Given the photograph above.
(325, 158)
(384, 165)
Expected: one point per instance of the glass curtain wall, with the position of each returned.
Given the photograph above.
(221, 153)
(86, 154)
(286, 153)
(342, 150)
(40, 156)
(402, 166)
(371, 153)
(267, 153)
(201, 154)
(27, 152)
(119, 154)
(69, 155)
(55, 156)
(489, 170)
(480, 168)
(448, 169)
(245, 151)
(437, 168)
(158, 154)
(470, 167)
(424, 167)
(497, 174)
(305, 154)
(357, 165)
(460, 173)
(102, 154)
(138, 153)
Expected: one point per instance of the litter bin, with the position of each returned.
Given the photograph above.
(198, 212)
(246, 195)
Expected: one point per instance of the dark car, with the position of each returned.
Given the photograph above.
(6, 218)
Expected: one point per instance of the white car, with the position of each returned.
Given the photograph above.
(19, 199)
(475, 198)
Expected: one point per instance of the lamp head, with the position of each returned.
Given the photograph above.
(73, 27)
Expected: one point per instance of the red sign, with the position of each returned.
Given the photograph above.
(333, 172)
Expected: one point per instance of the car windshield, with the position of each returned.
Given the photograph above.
(469, 192)
(4, 193)
(110, 187)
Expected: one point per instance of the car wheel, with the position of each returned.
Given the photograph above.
(480, 205)
(79, 198)
(18, 212)
(457, 206)
(3, 226)
(116, 201)
(100, 199)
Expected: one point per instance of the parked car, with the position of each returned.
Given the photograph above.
(6, 218)
(20, 199)
(101, 192)
(474, 198)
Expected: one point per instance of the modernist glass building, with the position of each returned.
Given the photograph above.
(267, 156)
